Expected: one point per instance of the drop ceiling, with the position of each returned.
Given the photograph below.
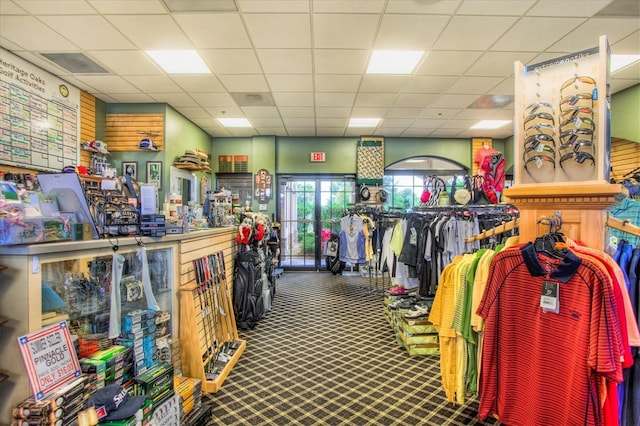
(297, 67)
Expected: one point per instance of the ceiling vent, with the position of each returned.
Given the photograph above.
(253, 99)
(75, 63)
(201, 5)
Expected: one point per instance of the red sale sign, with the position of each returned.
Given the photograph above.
(50, 359)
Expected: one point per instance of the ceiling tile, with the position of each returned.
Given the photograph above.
(337, 83)
(55, 7)
(373, 112)
(34, 35)
(344, 31)
(244, 83)
(290, 82)
(439, 62)
(207, 30)
(133, 98)
(397, 122)
(103, 35)
(431, 7)
(299, 122)
(628, 45)
(260, 111)
(409, 32)
(214, 99)
(231, 61)
(288, 111)
(584, 36)
(374, 99)
(332, 122)
(465, 32)
(108, 84)
(340, 61)
(547, 31)
(383, 83)
(416, 100)
(129, 7)
(334, 99)
(151, 32)
(348, 6)
(474, 85)
(265, 121)
(445, 113)
(428, 84)
(333, 112)
(504, 88)
(301, 131)
(154, 83)
(194, 112)
(495, 7)
(292, 99)
(498, 64)
(412, 132)
(198, 83)
(279, 31)
(403, 113)
(10, 8)
(428, 123)
(126, 62)
(285, 61)
(268, 131)
(586, 8)
(458, 124)
(454, 101)
(284, 6)
(445, 133)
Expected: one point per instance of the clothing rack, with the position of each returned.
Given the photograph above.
(505, 227)
(623, 225)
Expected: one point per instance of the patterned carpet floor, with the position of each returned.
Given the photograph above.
(324, 355)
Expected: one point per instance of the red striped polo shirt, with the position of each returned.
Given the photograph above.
(542, 368)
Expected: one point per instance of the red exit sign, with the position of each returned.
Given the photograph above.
(318, 157)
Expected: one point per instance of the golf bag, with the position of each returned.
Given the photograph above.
(334, 264)
(247, 289)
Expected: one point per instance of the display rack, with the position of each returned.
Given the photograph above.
(209, 336)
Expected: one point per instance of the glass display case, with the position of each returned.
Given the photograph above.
(79, 289)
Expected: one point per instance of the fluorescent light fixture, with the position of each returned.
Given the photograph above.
(234, 122)
(179, 61)
(621, 61)
(364, 122)
(393, 61)
(490, 124)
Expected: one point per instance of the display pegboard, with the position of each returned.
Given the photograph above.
(562, 119)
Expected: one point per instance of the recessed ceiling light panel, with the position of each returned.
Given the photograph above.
(393, 61)
(490, 124)
(364, 122)
(234, 122)
(179, 61)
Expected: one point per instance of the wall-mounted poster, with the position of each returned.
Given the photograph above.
(39, 117)
(263, 186)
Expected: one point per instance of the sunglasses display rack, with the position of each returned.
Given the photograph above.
(561, 132)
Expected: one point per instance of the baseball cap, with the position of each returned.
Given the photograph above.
(113, 402)
(148, 144)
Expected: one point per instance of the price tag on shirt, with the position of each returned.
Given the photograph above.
(549, 299)
(413, 238)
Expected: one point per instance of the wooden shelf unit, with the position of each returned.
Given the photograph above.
(194, 323)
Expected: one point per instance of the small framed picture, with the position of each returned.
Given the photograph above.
(130, 168)
(154, 173)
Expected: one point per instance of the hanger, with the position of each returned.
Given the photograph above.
(546, 243)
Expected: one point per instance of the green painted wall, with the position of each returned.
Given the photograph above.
(232, 146)
(396, 149)
(625, 114)
(293, 155)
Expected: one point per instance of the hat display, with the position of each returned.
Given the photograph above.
(98, 147)
(462, 196)
(382, 196)
(113, 402)
(365, 194)
(148, 144)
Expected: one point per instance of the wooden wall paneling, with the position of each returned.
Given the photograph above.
(124, 131)
(625, 156)
(87, 125)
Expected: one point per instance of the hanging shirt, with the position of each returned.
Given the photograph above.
(352, 240)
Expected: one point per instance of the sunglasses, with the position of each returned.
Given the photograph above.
(540, 129)
(539, 115)
(539, 161)
(578, 157)
(577, 80)
(576, 146)
(569, 136)
(579, 123)
(534, 107)
(568, 102)
(574, 112)
(538, 139)
(538, 148)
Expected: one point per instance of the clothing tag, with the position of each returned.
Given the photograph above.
(413, 239)
(538, 162)
(101, 412)
(549, 300)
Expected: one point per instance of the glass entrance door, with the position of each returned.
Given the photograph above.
(310, 208)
